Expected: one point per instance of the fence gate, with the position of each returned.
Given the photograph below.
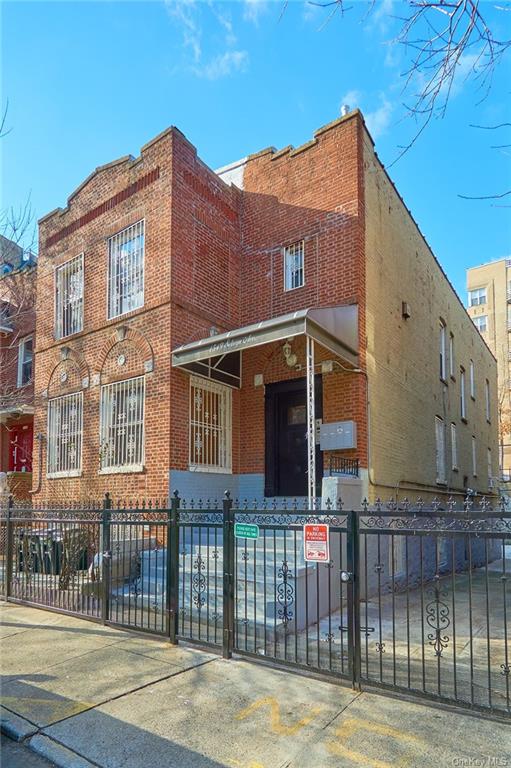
(412, 598)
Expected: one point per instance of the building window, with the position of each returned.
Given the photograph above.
(451, 356)
(126, 270)
(443, 366)
(210, 426)
(463, 404)
(477, 297)
(293, 266)
(69, 298)
(488, 402)
(122, 426)
(65, 418)
(472, 380)
(440, 450)
(490, 468)
(454, 447)
(481, 323)
(25, 358)
(474, 456)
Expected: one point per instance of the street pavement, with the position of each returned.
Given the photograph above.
(80, 694)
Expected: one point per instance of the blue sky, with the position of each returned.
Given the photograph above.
(89, 82)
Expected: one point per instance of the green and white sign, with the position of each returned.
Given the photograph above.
(246, 531)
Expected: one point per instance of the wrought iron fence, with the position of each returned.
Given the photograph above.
(412, 597)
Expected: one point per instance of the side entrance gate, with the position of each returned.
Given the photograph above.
(413, 598)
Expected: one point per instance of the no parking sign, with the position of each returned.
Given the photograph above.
(316, 542)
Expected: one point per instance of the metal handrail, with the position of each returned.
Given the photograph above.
(340, 465)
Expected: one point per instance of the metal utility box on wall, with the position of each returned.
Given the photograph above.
(337, 435)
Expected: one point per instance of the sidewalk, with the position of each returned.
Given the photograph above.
(81, 694)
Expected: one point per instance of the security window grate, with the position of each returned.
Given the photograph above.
(65, 423)
(69, 297)
(293, 266)
(126, 270)
(122, 425)
(210, 426)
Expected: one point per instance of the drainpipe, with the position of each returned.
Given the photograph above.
(40, 438)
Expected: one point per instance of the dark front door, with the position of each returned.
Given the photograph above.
(286, 438)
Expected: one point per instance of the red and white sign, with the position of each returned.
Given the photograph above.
(316, 542)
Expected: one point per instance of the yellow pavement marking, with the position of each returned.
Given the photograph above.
(351, 726)
(276, 725)
(237, 764)
(56, 709)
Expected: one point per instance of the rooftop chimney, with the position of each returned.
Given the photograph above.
(345, 109)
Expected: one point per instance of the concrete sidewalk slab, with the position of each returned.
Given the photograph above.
(14, 726)
(212, 713)
(220, 712)
(85, 681)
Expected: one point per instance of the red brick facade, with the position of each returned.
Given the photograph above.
(213, 257)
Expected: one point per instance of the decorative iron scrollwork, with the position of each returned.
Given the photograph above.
(199, 583)
(285, 593)
(437, 616)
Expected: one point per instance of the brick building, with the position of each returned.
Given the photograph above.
(17, 335)
(252, 329)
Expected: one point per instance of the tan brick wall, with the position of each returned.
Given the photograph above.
(405, 389)
(494, 277)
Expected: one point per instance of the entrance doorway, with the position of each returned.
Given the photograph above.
(286, 438)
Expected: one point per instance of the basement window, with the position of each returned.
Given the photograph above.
(294, 266)
(210, 426)
(122, 426)
(65, 429)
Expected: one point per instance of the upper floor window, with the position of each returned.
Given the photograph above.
(65, 425)
(472, 380)
(210, 426)
(481, 323)
(126, 270)
(440, 450)
(451, 355)
(294, 266)
(25, 358)
(122, 425)
(476, 297)
(487, 398)
(454, 447)
(463, 404)
(69, 297)
(443, 362)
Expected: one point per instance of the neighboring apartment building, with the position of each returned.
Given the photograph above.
(17, 334)
(489, 306)
(251, 329)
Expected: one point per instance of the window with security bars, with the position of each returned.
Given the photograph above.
(122, 425)
(65, 424)
(126, 270)
(210, 426)
(69, 297)
(294, 266)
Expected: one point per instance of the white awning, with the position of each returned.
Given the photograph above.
(335, 328)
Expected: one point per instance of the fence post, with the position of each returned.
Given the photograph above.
(105, 557)
(353, 566)
(228, 595)
(8, 549)
(172, 576)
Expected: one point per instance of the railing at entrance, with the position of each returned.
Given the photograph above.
(413, 598)
(339, 465)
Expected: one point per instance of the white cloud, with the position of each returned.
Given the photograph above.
(379, 120)
(222, 65)
(352, 99)
(254, 9)
(188, 15)
(185, 14)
